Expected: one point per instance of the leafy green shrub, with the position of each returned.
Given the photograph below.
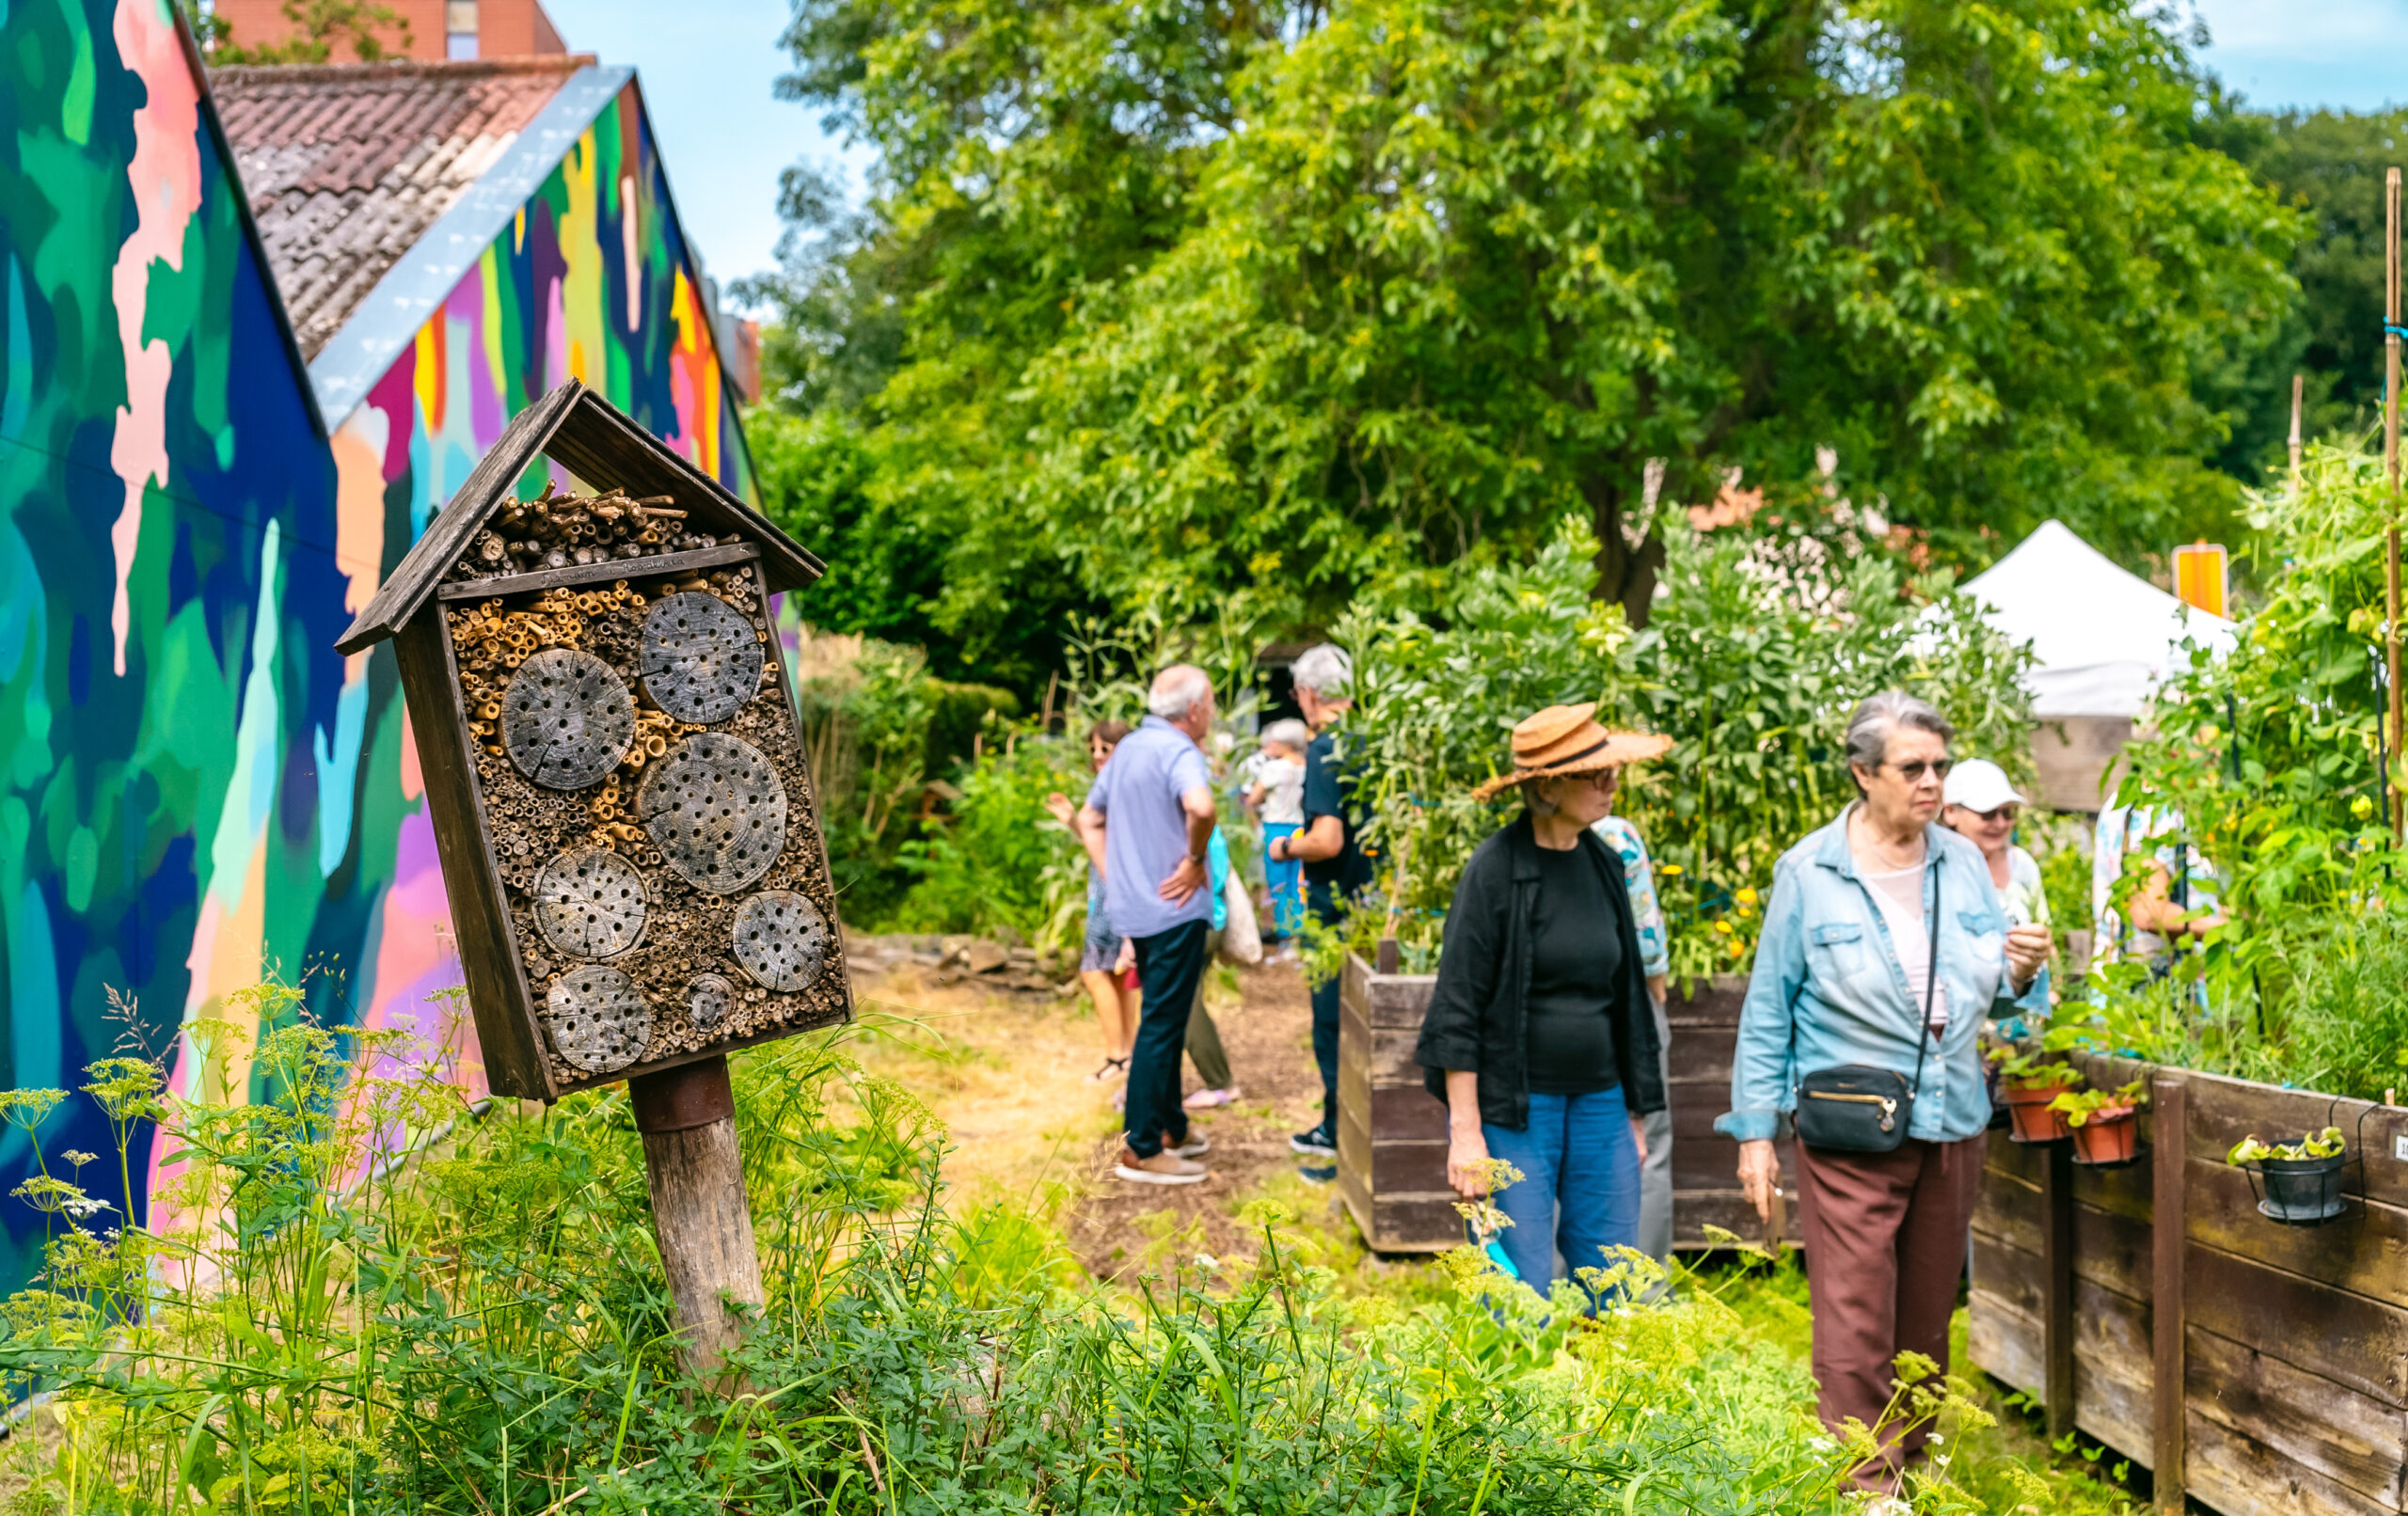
(1755, 653)
(2268, 755)
(479, 1325)
(997, 859)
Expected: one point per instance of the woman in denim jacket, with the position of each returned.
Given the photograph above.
(1840, 978)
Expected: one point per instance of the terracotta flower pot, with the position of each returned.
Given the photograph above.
(2028, 1108)
(2109, 1136)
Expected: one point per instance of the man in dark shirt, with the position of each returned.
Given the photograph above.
(1330, 846)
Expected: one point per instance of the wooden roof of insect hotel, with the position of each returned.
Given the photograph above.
(603, 447)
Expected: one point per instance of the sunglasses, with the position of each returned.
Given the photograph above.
(2003, 812)
(1914, 772)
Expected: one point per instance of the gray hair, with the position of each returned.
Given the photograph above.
(1326, 670)
(1877, 716)
(1291, 732)
(1176, 689)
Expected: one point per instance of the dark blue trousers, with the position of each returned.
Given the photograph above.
(1169, 966)
(1323, 903)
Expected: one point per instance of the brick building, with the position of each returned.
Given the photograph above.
(439, 29)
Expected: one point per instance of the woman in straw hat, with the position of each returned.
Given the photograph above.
(1540, 1036)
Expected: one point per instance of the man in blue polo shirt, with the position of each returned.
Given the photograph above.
(1147, 825)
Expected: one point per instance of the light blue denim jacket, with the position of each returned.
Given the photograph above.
(1828, 988)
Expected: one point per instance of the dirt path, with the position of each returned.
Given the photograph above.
(1009, 1077)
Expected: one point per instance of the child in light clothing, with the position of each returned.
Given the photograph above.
(1277, 795)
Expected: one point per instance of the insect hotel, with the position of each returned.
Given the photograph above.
(615, 769)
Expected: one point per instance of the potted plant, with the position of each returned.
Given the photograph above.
(2106, 1127)
(2301, 1178)
(2028, 1087)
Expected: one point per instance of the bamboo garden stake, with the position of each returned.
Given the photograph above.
(2391, 470)
(2298, 383)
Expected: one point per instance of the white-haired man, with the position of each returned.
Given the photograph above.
(1148, 828)
(1329, 846)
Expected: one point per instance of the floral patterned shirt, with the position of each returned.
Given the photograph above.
(1638, 875)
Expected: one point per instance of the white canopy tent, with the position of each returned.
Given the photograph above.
(2102, 637)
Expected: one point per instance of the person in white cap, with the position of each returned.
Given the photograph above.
(1981, 806)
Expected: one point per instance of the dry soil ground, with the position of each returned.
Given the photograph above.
(1009, 1077)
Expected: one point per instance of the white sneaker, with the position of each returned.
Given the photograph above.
(1197, 1145)
(1165, 1167)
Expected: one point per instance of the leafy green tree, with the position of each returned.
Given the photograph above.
(1759, 648)
(1200, 298)
(2328, 166)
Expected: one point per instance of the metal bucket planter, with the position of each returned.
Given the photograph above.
(2300, 1192)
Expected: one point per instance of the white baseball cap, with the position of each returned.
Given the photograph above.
(1978, 784)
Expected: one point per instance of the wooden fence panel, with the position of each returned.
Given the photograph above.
(2289, 1346)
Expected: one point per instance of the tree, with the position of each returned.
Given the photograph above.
(1309, 306)
(2328, 166)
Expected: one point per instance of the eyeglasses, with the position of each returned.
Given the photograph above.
(1913, 772)
(2003, 813)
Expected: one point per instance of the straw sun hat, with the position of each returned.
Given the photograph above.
(1567, 739)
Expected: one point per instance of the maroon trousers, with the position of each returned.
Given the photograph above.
(1885, 1245)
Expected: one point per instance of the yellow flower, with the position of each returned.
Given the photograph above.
(1747, 897)
(1668, 870)
(2361, 808)
(1723, 927)
(1745, 913)
(1737, 947)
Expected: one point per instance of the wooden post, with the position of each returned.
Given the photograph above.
(2391, 471)
(2299, 384)
(696, 1176)
(2057, 1289)
(2166, 1243)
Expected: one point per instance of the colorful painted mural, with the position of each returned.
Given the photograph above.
(195, 791)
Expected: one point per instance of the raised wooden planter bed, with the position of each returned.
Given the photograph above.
(2153, 1308)
(1392, 1133)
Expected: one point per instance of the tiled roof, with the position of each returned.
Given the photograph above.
(347, 165)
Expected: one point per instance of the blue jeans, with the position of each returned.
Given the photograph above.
(1285, 880)
(1577, 1151)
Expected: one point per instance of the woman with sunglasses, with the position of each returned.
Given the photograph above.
(1541, 1036)
(1884, 948)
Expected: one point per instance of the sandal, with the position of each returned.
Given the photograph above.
(1113, 1068)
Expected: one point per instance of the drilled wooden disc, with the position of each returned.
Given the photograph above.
(782, 940)
(590, 903)
(567, 719)
(716, 809)
(701, 658)
(597, 1018)
(708, 996)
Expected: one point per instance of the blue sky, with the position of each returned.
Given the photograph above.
(708, 65)
(707, 68)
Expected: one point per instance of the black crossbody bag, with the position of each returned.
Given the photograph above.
(1857, 1108)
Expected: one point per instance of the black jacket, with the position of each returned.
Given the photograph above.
(1477, 1020)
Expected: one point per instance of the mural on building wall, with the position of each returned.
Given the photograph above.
(590, 281)
(195, 790)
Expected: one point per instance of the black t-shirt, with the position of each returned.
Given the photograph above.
(1329, 791)
(1575, 963)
